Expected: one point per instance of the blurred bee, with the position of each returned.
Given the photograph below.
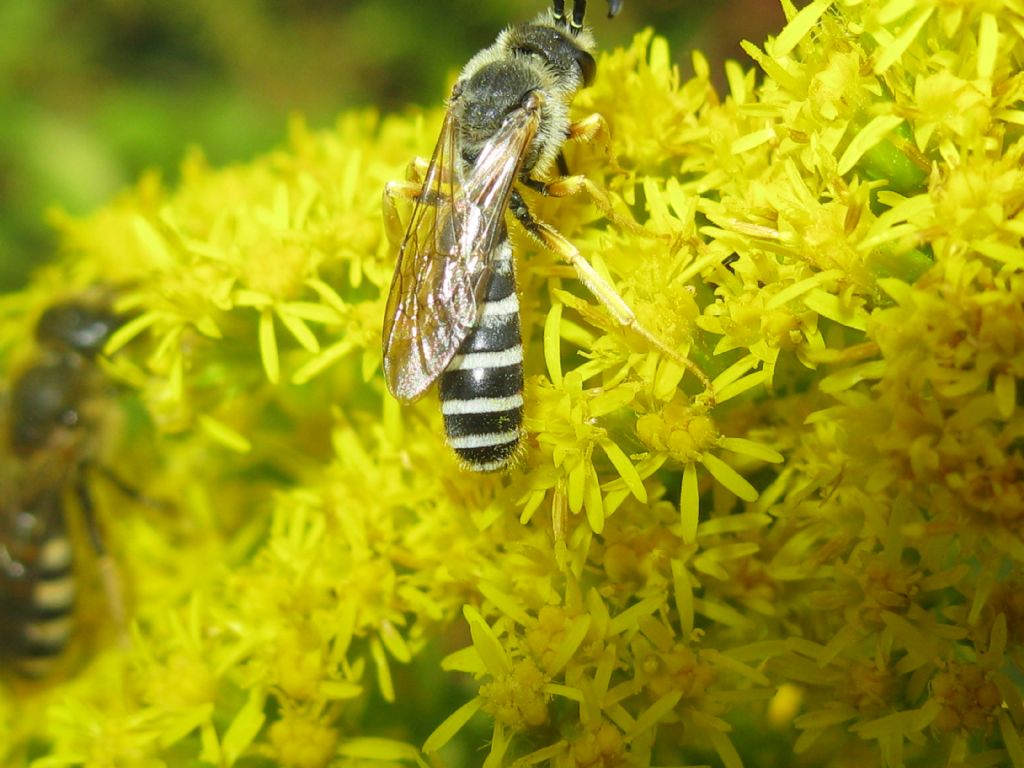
(452, 312)
(55, 407)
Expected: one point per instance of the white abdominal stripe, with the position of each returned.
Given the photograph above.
(481, 405)
(508, 305)
(42, 622)
(490, 440)
(499, 359)
(482, 388)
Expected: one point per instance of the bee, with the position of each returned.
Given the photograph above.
(55, 408)
(452, 314)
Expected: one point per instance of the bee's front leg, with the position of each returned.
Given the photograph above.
(570, 185)
(594, 128)
(591, 128)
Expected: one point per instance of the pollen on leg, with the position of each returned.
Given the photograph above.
(565, 186)
(594, 128)
(589, 128)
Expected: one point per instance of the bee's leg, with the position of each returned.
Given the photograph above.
(406, 190)
(594, 128)
(563, 166)
(109, 576)
(590, 127)
(570, 185)
(89, 514)
(560, 187)
(602, 290)
(417, 169)
(130, 491)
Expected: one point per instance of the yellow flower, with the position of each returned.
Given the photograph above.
(826, 539)
(297, 741)
(967, 699)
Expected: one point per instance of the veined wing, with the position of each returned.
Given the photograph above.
(445, 258)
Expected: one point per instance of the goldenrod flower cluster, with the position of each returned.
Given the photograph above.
(819, 566)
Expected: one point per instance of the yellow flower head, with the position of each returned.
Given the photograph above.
(790, 510)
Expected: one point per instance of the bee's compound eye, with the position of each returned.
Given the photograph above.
(587, 65)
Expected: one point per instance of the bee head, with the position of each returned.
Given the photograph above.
(552, 56)
(567, 51)
(77, 326)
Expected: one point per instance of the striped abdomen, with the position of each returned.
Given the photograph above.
(37, 598)
(482, 388)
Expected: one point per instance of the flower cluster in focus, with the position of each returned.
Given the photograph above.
(819, 565)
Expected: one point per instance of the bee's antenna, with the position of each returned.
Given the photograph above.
(579, 10)
(559, 11)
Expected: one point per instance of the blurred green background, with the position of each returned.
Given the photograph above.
(93, 92)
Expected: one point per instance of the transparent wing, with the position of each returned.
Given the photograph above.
(444, 261)
(430, 305)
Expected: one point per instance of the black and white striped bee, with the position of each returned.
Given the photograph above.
(55, 407)
(452, 312)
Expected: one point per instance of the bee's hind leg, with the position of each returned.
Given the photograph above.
(602, 290)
